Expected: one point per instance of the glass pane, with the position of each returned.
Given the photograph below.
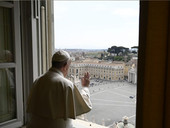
(6, 36)
(10, 1)
(7, 94)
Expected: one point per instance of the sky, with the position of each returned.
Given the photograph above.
(95, 24)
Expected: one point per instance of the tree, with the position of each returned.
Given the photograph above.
(117, 50)
(101, 57)
(134, 47)
(118, 58)
(134, 52)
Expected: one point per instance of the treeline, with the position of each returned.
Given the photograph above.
(119, 53)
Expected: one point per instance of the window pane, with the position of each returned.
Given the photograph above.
(6, 35)
(7, 94)
(10, 1)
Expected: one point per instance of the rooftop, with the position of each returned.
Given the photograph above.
(98, 62)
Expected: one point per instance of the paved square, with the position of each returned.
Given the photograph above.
(112, 101)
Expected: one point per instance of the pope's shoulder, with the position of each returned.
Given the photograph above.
(54, 78)
(66, 81)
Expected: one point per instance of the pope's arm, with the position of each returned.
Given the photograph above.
(86, 96)
(82, 98)
(85, 90)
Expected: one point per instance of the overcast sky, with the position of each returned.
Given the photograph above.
(96, 24)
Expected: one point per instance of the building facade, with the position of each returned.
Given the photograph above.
(113, 71)
(132, 76)
(132, 72)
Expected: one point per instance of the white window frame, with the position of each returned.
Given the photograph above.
(16, 65)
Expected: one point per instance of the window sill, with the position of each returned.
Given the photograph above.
(84, 124)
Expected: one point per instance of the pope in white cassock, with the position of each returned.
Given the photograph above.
(54, 101)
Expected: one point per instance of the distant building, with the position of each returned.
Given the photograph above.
(72, 58)
(126, 70)
(134, 60)
(132, 73)
(98, 69)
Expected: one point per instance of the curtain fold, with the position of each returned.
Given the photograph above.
(167, 89)
(153, 71)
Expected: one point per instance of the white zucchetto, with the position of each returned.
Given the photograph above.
(60, 56)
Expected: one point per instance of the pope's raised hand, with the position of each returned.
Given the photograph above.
(85, 81)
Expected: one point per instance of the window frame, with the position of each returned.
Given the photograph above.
(16, 65)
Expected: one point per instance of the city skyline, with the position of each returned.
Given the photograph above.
(95, 24)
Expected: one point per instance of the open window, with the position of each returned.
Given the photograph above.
(102, 38)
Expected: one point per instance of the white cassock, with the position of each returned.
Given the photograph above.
(54, 101)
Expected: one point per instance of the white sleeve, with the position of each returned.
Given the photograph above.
(86, 96)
